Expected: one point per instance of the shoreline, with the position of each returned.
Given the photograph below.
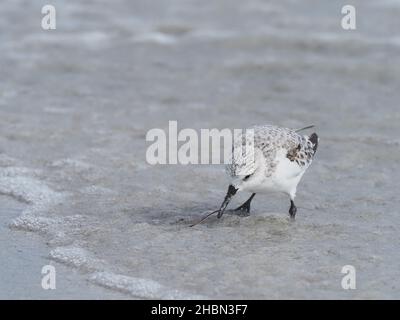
(25, 253)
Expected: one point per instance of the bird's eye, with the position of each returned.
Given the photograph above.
(246, 177)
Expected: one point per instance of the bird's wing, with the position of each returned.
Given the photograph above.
(269, 140)
(304, 152)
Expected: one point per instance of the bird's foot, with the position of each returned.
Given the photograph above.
(292, 210)
(243, 210)
(240, 213)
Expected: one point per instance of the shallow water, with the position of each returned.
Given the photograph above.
(24, 254)
(77, 102)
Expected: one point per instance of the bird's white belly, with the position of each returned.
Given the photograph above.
(284, 178)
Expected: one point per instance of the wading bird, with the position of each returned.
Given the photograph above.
(274, 161)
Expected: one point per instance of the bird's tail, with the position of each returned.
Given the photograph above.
(314, 140)
(305, 128)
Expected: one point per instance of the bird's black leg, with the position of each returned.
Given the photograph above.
(231, 192)
(245, 207)
(292, 210)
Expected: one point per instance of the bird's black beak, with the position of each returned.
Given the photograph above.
(231, 192)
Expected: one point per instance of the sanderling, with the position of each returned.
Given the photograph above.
(280, 158)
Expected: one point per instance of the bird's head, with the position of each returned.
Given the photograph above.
(251, 174)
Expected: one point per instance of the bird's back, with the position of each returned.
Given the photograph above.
(270, 140)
